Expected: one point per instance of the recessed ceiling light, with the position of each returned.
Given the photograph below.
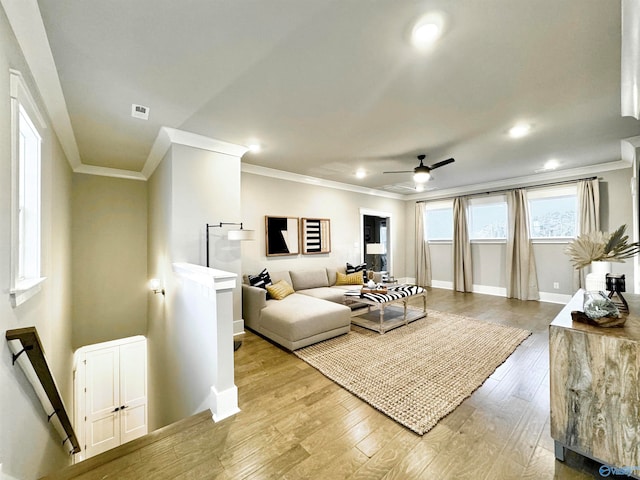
(420, 187)
(551, 164)
(425, 34)
(360, 173)
(519, 130)
(254, 147)
(427, 30)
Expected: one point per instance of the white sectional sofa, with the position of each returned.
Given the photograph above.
(315, 312)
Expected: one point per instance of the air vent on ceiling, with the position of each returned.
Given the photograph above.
(139, 111)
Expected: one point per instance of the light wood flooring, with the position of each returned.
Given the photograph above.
(297, 424)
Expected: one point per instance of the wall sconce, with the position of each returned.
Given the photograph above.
(238, 234)
(154, 285)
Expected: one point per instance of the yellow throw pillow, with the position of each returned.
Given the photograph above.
(350, 278)
(280, 290)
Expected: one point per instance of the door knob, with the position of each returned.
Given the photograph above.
(117, 408)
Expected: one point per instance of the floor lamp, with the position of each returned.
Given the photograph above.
(238, 234)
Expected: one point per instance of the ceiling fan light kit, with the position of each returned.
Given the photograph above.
(421, 177)
(422, 173)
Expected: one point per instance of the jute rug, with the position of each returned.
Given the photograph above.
(419, 373)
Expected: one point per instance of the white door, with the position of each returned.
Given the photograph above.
(102, 401)
(133, 391)
(114, 394)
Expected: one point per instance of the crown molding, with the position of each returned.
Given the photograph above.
(319, 182)
(26, 22)
(525, 181)
(630, 150)
(109, 172)
(168, 136)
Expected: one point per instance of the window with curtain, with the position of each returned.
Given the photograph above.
(439, 221)
(553, 213)
(487, 218)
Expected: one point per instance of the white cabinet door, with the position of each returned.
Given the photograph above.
(133, 391)
(102, 401)
(115, 396)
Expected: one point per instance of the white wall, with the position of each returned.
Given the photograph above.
(268, 196)
(29, 446)
(190, 188)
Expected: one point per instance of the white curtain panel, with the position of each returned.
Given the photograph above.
(462, 265)
(630, 59)
(423, 256)
(522, 278)
(588, 218)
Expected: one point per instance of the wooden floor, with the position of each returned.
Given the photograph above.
(296, 424)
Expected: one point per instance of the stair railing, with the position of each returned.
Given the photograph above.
(29, 354)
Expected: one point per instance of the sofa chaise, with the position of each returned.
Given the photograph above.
(314, 312)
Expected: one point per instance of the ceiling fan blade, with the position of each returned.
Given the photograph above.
(401, 171)
(442, 163)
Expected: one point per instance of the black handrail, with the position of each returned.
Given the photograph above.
(32, 346)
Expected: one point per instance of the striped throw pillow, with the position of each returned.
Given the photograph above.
(261, 280)
(358, 268)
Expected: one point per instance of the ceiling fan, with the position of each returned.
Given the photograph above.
(422, 173)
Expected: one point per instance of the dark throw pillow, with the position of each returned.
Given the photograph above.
(261, 280)
(358, 268)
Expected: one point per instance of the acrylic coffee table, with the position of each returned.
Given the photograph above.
(377, 312)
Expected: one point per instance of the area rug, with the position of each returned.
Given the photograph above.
(419, 373)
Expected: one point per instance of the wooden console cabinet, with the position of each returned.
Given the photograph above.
(595, 387)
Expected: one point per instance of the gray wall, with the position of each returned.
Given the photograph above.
(263, 195)
(190, 188)
(29, 446)
(552, 263)
(109, 259)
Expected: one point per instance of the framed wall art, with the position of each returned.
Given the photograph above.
(316, 235)
(282, 236)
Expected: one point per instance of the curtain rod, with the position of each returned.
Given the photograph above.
(552, 184)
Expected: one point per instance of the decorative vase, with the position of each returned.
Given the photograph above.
(596, 280)
(601, 268)
(597, 305)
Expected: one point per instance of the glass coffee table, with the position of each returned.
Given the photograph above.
(378, 313)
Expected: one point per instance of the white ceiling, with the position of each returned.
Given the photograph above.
(330, 86)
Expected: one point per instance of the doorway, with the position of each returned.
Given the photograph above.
(376, 236)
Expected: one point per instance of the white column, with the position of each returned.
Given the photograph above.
(211, 291)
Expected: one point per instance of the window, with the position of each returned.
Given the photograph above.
(26, 141)
(487, 218)
(439, 221)
(553, 212)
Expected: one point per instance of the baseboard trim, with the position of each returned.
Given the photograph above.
(238, 326)
(560, 298)
(548, 297)
(442, 284)
(489, 290)
(224, 404)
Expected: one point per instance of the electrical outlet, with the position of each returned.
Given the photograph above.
(556, 285)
